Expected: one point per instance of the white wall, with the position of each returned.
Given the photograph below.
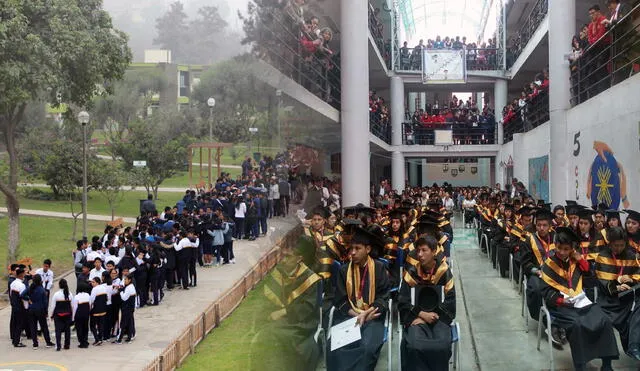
(611, 119)
(434, 174)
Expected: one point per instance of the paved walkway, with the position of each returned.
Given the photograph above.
(156, 325)
(55, 214)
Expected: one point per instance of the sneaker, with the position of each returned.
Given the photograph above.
(128, 341)
(233, 261)
(50, 344)
(98, 343)
(19, 345)
(133, 338)
(35, 347)
(563, 336)
(117, 341)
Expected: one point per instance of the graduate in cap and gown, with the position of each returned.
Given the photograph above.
(502, 239)
(362, 291)
(632, 227)
(617, 270)
(540, 246)
(287, 342)
(588, 330)
(338, 245)
(613, 219)
(425, 315)
(317, 225)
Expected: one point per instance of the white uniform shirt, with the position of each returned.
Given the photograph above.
(47, 278)
(18, 286)
(185, 242)
(80, 298)
(96, 273)
(128, 292)
(58, 296)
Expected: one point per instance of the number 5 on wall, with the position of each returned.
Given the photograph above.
(576, 143)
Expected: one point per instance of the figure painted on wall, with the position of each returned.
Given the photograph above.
(607, 181)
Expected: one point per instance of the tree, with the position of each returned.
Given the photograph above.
(49, 47)
(152, 140)
(173, 31)
(111, 180)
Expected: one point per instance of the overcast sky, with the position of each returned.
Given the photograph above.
(137, 17)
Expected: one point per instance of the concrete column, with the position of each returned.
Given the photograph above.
(479, 100)
(397, 171)
(356, 172)
(413, 172)
(397, 110)
(562, 25)
(500, 92)
(412, 102)
(425, 172)
(423, 100)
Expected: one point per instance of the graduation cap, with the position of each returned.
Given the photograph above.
(359, 208)
(566, 235)
(319, 210)
(600, 207)
(368, 237)
(544, 214)
(428, 227)
(352, 222)
(543, 205)
(612, 214)
(508, 206)
(571, 203)
(586, 214)
(428, 298)
(525, 210)
(633, 215)
(434, 214)
(398, 213)
(429, 217)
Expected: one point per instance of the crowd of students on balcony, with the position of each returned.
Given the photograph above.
(379, 117)
(529, 98)
(478, 57)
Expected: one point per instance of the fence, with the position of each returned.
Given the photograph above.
(463, 133)
(529, 27)
(612, 59)
(477, 59)
(532, 115)
(184, 344)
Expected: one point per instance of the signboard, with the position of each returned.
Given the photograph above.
(253, 130)
(441, 66)
(539, 178)
(139, 163)
(443, 137)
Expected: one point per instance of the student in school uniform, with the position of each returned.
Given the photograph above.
(98, 311)
(61, 312)
(108, 321)
(97, 270)
(114, 309)
(127, 323)
(37, 312)
(47, 276)
(18, 307)
(81, 308)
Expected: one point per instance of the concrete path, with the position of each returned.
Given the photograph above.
(156, 325)
(494, 335)
(55, 214)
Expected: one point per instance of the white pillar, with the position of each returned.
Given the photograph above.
(480, 100)
(424, 173)
(412, 102)
(500, 92)
(356, 172)
(397, 171)
(397, 110)
(562, 25)
(423, 100)
(413, 172)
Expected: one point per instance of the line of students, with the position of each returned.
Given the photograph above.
(91, 308)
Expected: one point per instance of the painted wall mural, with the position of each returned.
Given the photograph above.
(604, 168)
(539, 178)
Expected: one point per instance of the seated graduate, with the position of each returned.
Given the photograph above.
(286, 342)
(362, 291)
(588, 330)
(538, 248)
(425, 316)
(618, 272)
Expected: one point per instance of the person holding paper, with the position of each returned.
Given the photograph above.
(618, 271)
(362, 291)
(426, 318)
(589, 331)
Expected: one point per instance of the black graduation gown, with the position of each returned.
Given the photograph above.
(608, 269)
(589, 330)
(534, 254)
(427, 347)
(286, 342)
(363, 354)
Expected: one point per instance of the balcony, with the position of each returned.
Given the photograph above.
(463, 133)
(308, 56)
(612, 59)
(528, 117)
(477, 59)
(519, 41)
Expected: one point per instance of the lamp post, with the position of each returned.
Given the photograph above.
(83, 118)
(211, 102)
(279, 95)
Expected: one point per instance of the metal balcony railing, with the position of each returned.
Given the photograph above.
(477, 59)
(612, 59)
(528, 117)
(464, 133)
(529, 27)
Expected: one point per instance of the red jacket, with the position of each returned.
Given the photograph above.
(596, 30)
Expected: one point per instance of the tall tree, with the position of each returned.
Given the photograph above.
(173, 31)
(49, 47)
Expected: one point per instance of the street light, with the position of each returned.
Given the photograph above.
(279, 95)
(83, 118)
(211, 102)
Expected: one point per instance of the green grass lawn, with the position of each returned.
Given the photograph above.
(97, 203)
(241, 153)
(228, 347)
(42, 238)
(181, 180)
